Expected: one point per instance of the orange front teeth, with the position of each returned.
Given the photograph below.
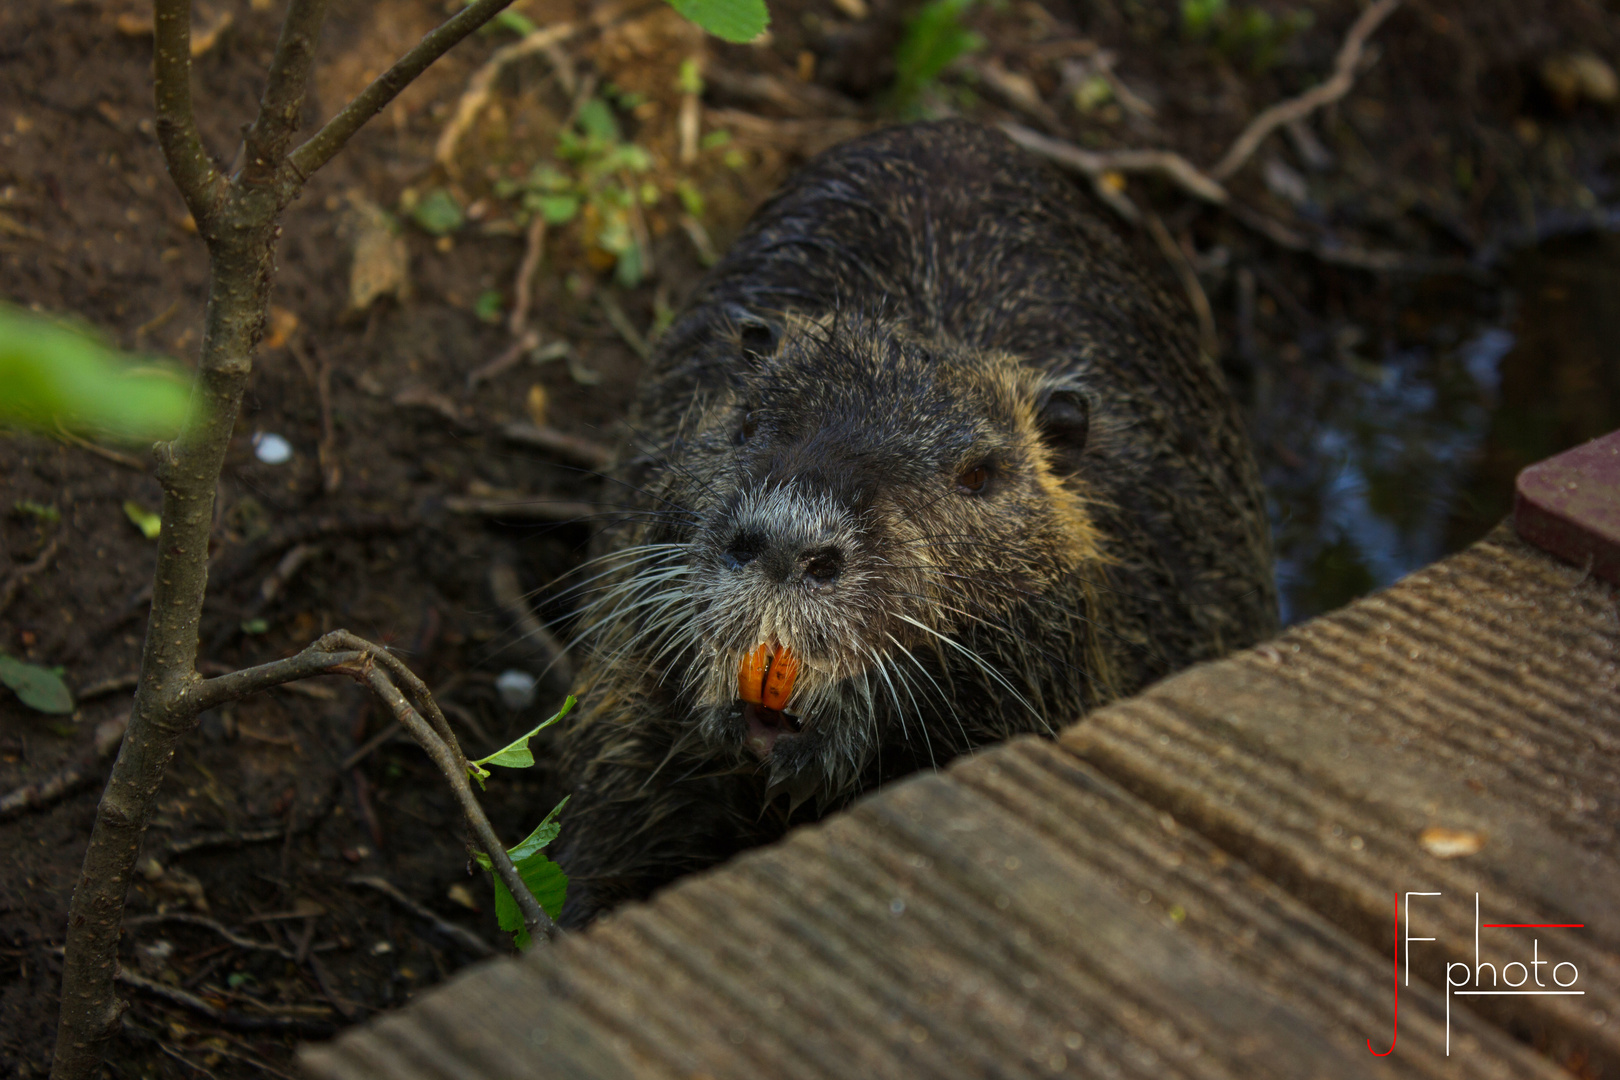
(765, 676)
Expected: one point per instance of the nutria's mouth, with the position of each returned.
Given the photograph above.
(765, 726)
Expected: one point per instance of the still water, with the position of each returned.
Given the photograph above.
(1383, 457)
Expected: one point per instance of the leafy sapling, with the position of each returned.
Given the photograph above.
(543, 877)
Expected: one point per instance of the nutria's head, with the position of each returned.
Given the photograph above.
(897, 512)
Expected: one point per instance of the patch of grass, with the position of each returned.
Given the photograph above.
(934, 39)
(1246, 33)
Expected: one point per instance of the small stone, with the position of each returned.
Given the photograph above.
(271, 449)
(516, 689)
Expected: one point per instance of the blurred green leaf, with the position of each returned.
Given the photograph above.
(39, 688)
(690, 80)
(558, 209)
(731, 20)
(934, 39)
(255, 626)
(51, 374)
(48, 514)
(438, 213)
(143, 519)
(488, 306)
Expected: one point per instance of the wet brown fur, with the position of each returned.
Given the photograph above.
(914, 304)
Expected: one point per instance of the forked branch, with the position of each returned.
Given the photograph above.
(374, 98)
(238, 217)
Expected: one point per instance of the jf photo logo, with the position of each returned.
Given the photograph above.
(1482, 978)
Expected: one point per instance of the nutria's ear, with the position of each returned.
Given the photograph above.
(757, 336)
(1064, 416)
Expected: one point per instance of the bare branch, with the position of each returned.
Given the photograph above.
(1297, 108)
(283, 101)
(19, 576)
(330, 139)
(469, 940)
(318, 659)
(482, 85)
(1208, 340)
(1095, 164)
(191, 168)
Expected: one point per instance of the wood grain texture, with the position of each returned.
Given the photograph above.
(1481, 695)
(1194, 883)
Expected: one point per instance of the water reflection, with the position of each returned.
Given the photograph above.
(1378, 466)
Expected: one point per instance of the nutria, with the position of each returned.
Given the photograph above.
(931, 429)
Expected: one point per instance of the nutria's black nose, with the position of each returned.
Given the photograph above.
(745, 547)
(821, 565)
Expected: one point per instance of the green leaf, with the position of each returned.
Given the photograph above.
(143, 519)
(516, 754)
(438, 213)
(50, 515)
(557, 209)
(255, 626)
(731, 20)
(488, 306)
(543, 877)
(39, 688)
(549, 885)
(597, 122)
(544, 833)
(690, 80)
(52, 374)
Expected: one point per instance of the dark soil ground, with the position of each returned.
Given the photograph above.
(1455, 150)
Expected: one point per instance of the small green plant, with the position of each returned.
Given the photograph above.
(934, 39)
(40, 688)
(1238, 32)
(52, 375)
(593, 179)
(543, 877)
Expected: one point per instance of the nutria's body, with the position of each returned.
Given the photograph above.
(929, 427)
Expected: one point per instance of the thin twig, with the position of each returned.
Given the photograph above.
(82, 771)
(1297, 108)
(175, 848)
(626, 329)
(508, 358)
(447, 756)
(587, 452)
(1095, 164)
(19, 576)
(236, 1021)
(370, 101)
(1208, 341)
(469, 940)
(482, 85)
(105, 453)
(523, 510)
(534, 249)
(188, 919)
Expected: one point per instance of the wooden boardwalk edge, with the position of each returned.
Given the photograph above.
(1195, 882)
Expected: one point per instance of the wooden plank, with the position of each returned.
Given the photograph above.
(1110, 905)
(1020, 916)
(1481, 696)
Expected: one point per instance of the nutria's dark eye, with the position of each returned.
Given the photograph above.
(750, 425)
(973, 481)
